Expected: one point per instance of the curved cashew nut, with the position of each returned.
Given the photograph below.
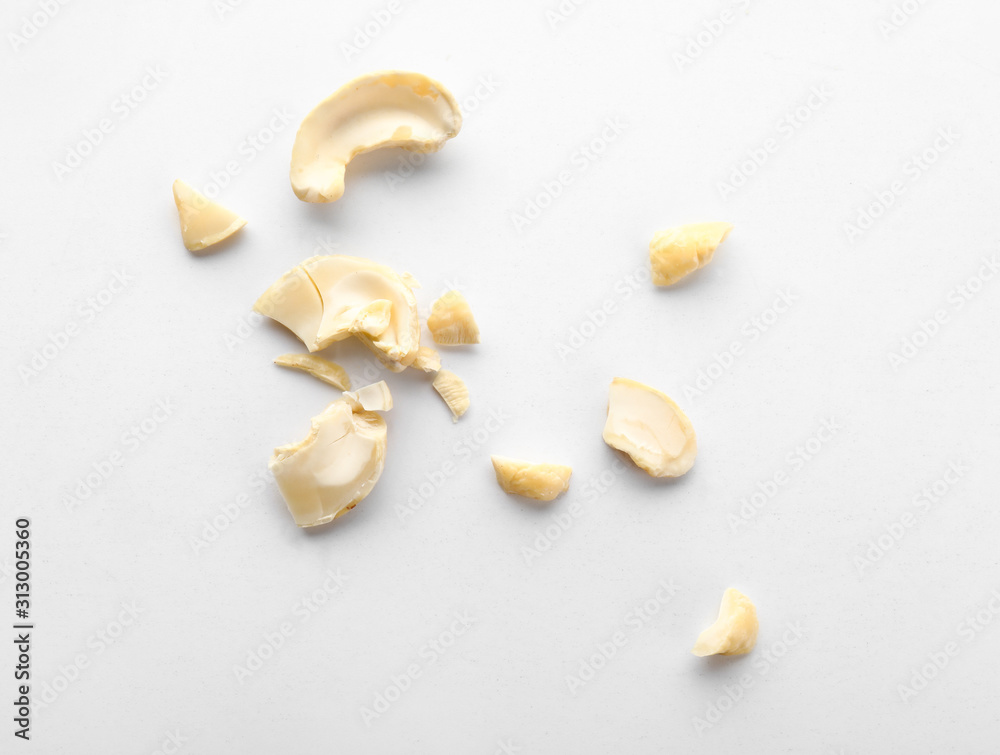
(382, 109)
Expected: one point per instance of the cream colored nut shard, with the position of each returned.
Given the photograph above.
(679, 251)
(203, 222)
(294, 301)
(372, 398)
(427, 360)
(734, 632)
(543, 482)
(382, 109)
(323, 369)
(649, 427)
(454, 392)
(328, 299)
(451, 322)
(335, 467)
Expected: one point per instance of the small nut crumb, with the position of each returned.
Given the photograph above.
(451, 322)
(543, 482)
(323, 369)
(454, 392)
(677, 252)
(734, 632)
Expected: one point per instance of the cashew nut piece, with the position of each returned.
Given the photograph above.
(381, 109)
(203, 222)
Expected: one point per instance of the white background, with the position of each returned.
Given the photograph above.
(212, 575)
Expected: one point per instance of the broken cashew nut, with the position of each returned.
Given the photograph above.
(677, 252)
(734, 632)
(454, 392)
(542, 482)
(203, 222)
(338, 464)
(650, 428)
(451, 322)
(322, 369)
(382, 109)
(328, 299)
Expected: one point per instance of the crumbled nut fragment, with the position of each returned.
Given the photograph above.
(427, 360)
(650, 428)
(453, 391)
(324, 369)
(382, 109)
(337, 465)
(203, 222)
(327, 299)
(734, 632)
(371, 398)
(543, 482)
(676, 252)
(451, 322)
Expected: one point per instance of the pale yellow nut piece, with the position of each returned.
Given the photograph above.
(676, 252)
(734, 632)
(542, 482)
(427, 359)
(451, 322)
(381, 109)
(329, 298)
(650, 428)
(203, 222)
(294, 301)
(371, 398)
(335, 467)
(453, 391)
(409, 280)
(323, 369)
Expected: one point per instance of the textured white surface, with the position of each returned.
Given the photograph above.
(534, 96)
